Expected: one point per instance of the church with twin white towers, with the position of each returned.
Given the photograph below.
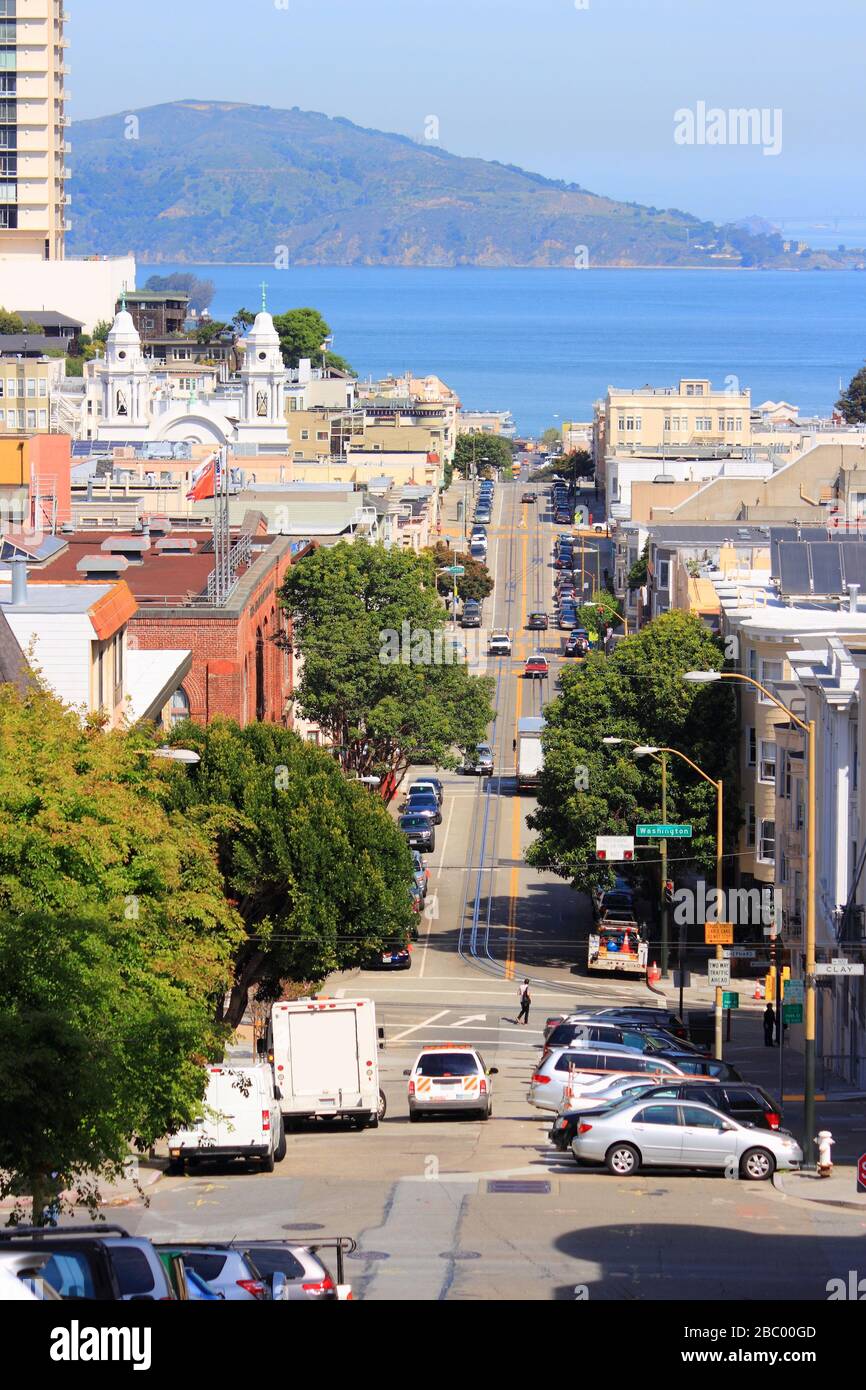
(131, 398)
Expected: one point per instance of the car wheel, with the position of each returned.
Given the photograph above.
(414, 1117)
(757, 1165)
(622, 1160)
(485, 1113)
(382, 1108)
(268, 1162)
(176, 1168)
(280, 1150)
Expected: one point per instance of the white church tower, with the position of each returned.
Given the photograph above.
(125, 382)
(264, 375)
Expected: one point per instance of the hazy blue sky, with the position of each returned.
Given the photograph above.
(587, 95)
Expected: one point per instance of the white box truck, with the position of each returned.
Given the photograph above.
(325, 1056)
(240, 1118)
(530, 753)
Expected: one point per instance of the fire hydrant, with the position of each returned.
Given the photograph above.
(825, 1142)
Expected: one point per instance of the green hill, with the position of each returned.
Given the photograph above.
(219, 181)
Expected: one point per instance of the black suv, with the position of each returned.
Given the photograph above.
(749, 1104)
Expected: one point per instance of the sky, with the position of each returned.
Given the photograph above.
(583, 90)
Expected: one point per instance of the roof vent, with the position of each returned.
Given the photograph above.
(131, 548)
(176, 545)
(102, 566)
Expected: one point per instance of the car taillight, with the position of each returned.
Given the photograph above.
(321, 1286)
(584, 1128)
(774, 1120)
(266, 1119)
(253, 1286)
(539, 1079)
(482, 1085)
(411, 1088)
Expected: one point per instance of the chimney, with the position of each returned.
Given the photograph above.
(19, 581)
(853, 593)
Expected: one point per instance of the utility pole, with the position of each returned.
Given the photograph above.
(664, 851)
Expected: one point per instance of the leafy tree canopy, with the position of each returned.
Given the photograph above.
(317, 868)
(302, 334)
(382, 691)
(482, 454)
(200, 291)
(852, 403)
(637, 694)
(475, 582)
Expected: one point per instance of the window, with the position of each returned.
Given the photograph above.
(784, 765)
(690, 390)
(305, 434)
(621, 422)
(701, 1119)
(132, 1267)
(43, 419)
(750, 826)
(739, 425)
(118, 660)
(667, 424)
(771, 672)
(322, 434)
(31, 419)
(21, 419)
(730, 423)
(178, 709)
(70, 1273)
(753, 664)
(658, 1115)
(2, 417)
(43, 387)
(664, 574)
(31, 387)
(767, 847)
(751, 755)
(767, 770)
(8, 193)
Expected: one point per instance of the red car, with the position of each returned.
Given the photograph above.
(537, 666)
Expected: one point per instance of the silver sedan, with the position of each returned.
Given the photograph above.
(668, 1134)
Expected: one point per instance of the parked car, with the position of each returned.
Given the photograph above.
(186, 1285)
(419, 831)
(528, 497)
(479, 761)
(745, 1102)
(471, 614)
(586, 1069)
(538, 622)
(537, 667)
(106, 1264)
(420, 803)
(696, 1065)
(638, 1134)
(224, 1269)
(304, 1275)
(639, 1015)
(621, 1088)
(576, 646)
(564, 560)
(499, 644)
(450, 1076)
(421, 873)
(392, 958)
(567, 617)
(427, 784)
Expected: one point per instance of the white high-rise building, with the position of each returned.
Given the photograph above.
(34, 271)
(33, 129)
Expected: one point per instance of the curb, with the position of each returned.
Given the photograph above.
(815, 1201)
(147, 1177)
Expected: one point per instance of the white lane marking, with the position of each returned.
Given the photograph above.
(471, 1018)
(424, 1024)
(430, 922)
(340, 994)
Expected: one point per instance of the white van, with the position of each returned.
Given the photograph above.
(240, 1119)
(325, 1055)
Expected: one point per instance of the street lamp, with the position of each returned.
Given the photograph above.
(646, 751)
(177, 755)
(808, 728)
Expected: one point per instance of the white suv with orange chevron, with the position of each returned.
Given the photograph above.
(450, 1076)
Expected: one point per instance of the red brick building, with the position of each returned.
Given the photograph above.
(237, 668)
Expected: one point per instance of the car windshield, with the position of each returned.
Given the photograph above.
(414, 822)
(444, 1064)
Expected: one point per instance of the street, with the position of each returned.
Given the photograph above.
(460, 1209)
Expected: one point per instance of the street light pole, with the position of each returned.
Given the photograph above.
(664, 852)
(809, 1013)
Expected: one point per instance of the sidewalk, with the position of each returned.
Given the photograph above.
(142, 1174)
(840, 1190)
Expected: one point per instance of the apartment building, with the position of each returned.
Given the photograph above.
(691, 412)
(28, 386)
(33, 126)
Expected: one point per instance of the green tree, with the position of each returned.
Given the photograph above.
(475, 582)
(577, 463)
(318, 869)
(11, 323)
(243, 320)
(382, 691)
(639, 572)
(481, 454)
(302, 334)
(101, 331)
(116, 942)
(552, 438)
(208, 331)
(603, 609)
(637, 693)
(852, 403)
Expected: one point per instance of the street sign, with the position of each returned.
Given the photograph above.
(793, 991)
(719, 933)
(792, 1013)
(839, 966)
(740, 953)
(719, 973)
(682, 979)
(730, 1000)
(614, 847)
(664, 831)
(861, 1173)
(456, 570)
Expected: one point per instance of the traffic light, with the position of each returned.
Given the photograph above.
(669, 891)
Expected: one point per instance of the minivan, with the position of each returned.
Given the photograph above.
(587, 1069)
(240, 1118)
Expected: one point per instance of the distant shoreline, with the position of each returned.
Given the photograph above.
(542, 269)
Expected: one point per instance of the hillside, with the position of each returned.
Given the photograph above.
(219, 181)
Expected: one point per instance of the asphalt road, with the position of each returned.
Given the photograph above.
(419, 1198)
